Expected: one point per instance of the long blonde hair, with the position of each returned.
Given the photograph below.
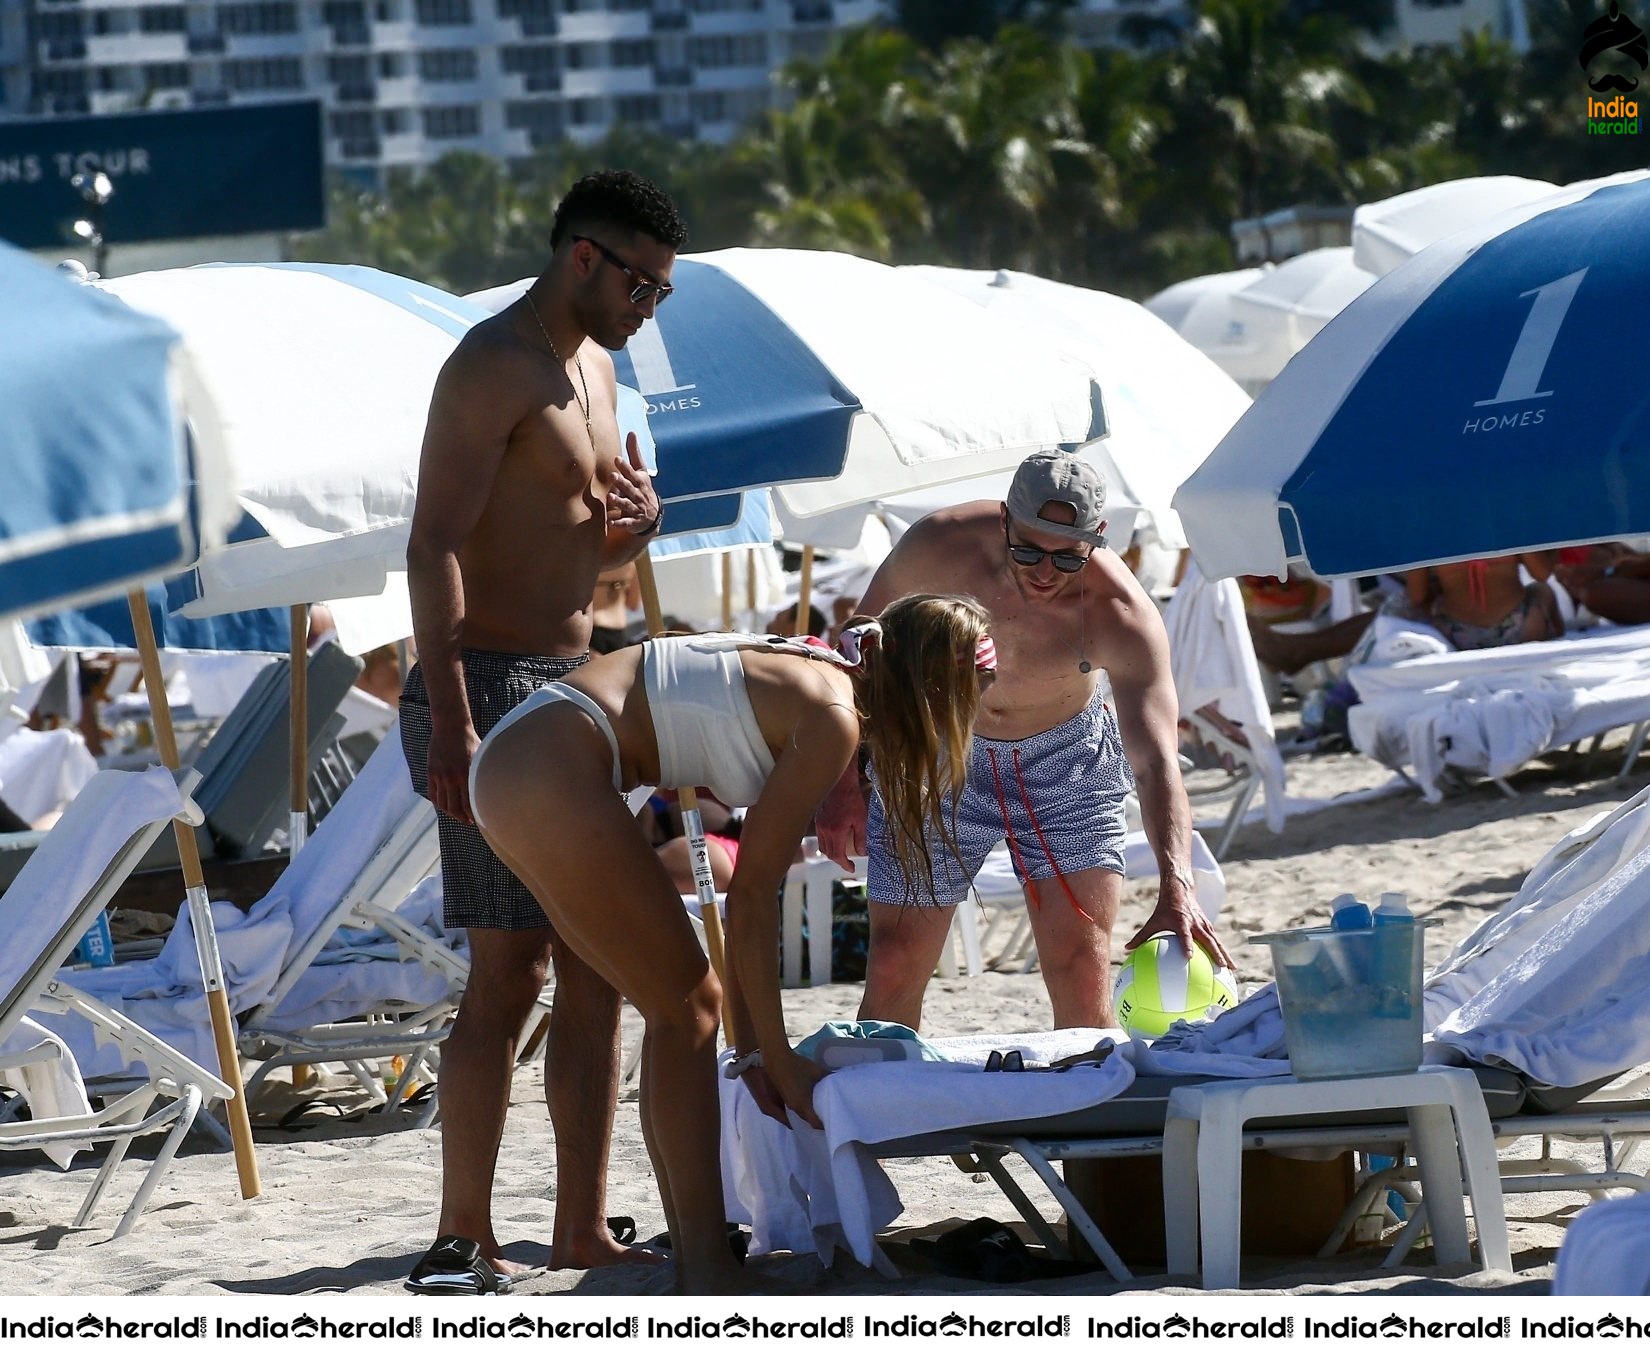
(917, 700)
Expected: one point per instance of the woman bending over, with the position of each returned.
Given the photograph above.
(760, 722)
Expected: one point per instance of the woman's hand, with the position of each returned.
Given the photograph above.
(785, 1082)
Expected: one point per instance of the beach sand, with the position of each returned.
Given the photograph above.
(350, 1198)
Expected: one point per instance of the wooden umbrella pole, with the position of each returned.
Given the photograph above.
(692, 822)
(727, 590)
(200, 908)
(750, 588)
(804, 591)
(299, 818)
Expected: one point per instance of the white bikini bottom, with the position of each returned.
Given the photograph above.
(544, 696)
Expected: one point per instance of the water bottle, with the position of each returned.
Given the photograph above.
(1393, 908)
(1347, 914)
(1394, 959)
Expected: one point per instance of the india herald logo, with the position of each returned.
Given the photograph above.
(1616, 43)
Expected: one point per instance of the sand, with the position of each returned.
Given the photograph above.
(350, 1197)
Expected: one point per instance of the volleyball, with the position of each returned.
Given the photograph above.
(1160, 984)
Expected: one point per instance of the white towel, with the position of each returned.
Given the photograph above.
(1604, 1255)
(41, 770)
(1213, 660)
(166, 994)
(805, 1189)
(48, 1078)
(69, 862)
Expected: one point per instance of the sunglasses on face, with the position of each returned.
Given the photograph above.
(1066, 561)
(644, 288)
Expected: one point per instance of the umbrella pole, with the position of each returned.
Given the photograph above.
(692, 824)
(298, 833)
(750, 588)
(200, 908)
(804, 591)
(727, 590)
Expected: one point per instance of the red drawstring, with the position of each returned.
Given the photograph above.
(1014, 847)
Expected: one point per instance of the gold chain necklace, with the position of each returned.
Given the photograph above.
(584, 408)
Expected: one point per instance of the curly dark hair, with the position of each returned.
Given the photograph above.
(620, 200)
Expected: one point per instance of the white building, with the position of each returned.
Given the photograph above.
(405, 81)
(1416, 23)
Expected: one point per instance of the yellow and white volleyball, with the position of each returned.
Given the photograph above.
(1160, 984)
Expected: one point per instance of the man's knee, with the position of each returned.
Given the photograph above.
(580, 988)
(508, 971)
(905, 942)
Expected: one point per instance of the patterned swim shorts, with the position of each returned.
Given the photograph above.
(1062, 792)
(477, 889)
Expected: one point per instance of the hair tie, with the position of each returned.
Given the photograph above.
(856, 641)
(985, 655)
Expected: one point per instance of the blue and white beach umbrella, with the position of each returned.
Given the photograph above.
(100, 490)
(313, 382)
(837, 381)
(1486, 397)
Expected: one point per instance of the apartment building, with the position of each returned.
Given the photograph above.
(405, 81)
(1415, 23)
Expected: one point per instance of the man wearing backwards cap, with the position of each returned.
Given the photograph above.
(1052, 756)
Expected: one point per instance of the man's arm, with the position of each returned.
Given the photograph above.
(840, 821)
(472, 414)
(1148, 717)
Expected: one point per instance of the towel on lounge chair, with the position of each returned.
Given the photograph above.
(1213, 660)
(1557, 983)
(1488, 711)
(51, 1085)
(165, 993)
(801, 1189)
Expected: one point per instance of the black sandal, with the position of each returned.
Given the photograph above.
(454, 1266)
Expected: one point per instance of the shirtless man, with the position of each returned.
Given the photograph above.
(524, 498)
(1051, 754)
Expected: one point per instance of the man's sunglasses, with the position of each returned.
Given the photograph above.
(1066, 561)
(645, 288)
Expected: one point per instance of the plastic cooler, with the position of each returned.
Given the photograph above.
(1351, 1000)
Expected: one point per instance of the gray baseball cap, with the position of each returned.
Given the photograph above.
(1059, 477)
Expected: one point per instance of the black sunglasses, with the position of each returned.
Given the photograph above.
(1066, 561)
(645, 287)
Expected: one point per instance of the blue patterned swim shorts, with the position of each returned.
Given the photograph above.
(1063, 790)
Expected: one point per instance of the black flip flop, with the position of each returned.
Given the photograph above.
(454, 1265)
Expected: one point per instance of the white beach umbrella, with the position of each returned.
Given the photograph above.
(1200, 311)
(1386, 233)
(1287, 306)
(1484, 398)
(1167, 404)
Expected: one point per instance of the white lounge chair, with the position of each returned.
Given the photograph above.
(324, 969)
(1487, 712)
(66, 884)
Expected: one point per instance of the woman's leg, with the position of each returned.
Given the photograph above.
(545, 796)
